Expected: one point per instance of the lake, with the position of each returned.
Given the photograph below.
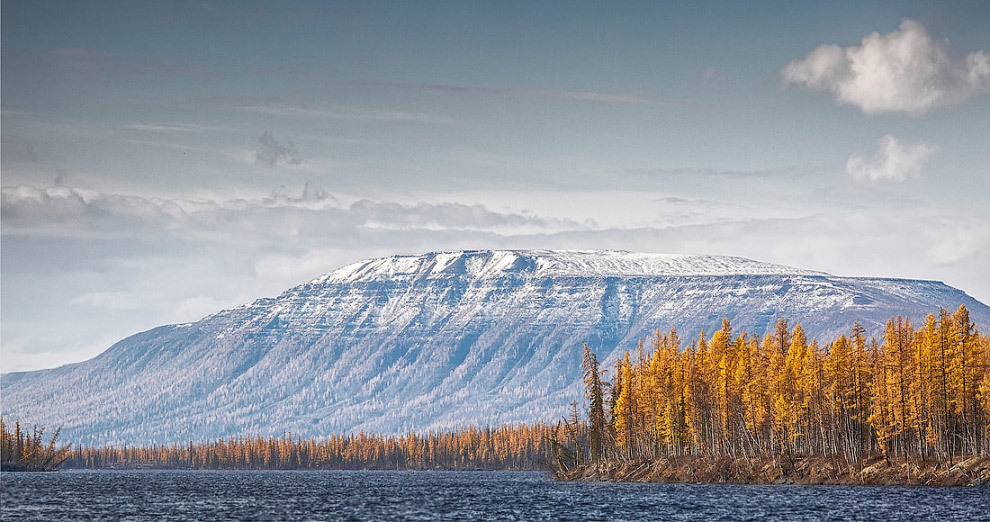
(438, 495)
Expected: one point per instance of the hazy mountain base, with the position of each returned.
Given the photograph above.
(804, 471)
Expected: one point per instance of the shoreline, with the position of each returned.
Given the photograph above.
(974, 471)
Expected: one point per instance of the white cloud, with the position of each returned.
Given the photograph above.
(893, 161)
(903, 71)
(316, 215)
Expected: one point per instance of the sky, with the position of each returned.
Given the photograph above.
(164, 160)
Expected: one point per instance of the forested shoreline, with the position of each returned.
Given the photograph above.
(912, 407)
(918, 399)
(509, 447)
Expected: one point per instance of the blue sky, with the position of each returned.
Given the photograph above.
(163, 160)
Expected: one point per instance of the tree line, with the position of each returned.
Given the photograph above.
(500, 448)
(918, 393)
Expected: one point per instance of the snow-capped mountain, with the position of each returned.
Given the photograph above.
(432, 341)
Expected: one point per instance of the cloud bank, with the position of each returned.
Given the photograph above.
(314, 215)
(905, 71)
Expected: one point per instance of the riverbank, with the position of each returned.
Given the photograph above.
(804, 471)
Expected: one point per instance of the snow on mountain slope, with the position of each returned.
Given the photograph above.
(434, 341)
(546, 263)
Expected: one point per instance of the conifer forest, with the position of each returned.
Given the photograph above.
(501, 448)
(920, 393)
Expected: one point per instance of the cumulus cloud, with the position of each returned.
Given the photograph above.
(312, 192)
(904, 71)
(63, 211)
(313, 197)
(893, 161)
(271, 152)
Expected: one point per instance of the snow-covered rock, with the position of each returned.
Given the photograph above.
(432, 341)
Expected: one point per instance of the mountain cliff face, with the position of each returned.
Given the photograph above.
(433, 341)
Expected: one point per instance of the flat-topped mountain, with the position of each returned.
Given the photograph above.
(431, 341)
(549, 263)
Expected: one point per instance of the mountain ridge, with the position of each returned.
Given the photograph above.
(432, 341)
(578, 263)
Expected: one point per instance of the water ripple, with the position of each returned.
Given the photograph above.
(378, 495)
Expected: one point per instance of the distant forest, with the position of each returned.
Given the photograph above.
(920, 393)
(502, 448)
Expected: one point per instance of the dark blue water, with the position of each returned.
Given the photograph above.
(383, 495)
